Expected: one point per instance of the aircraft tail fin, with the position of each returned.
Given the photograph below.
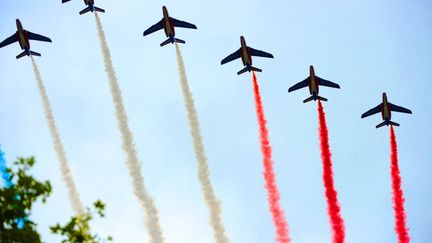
(387, 123)
(85, 10)
(314, 97)
(99, 9)
(250, 68)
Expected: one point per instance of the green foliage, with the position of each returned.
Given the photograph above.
(16, 203)
(77, 230)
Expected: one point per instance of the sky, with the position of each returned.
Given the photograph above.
(368, 47)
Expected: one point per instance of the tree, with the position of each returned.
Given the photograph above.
(77, 230)
(16, 202)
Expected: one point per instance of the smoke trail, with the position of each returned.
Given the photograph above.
(398, 198)
(133, 164)
(203, 169)
(3, 170)
(333, 207)
(74, 196)
(269, 175)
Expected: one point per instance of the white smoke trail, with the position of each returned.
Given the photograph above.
(74, 196)
(133, 164)
(203, 169)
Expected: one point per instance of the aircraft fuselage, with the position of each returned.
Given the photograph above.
(313, 84)
(245, 52)
(385, 109)
(22, 36)
(89, 2)
(168, 24)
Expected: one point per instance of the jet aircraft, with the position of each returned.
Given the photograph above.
(313, 82)
(90, 7)
(386, 108)
(23, 37)
(245, 53)
(168, 24)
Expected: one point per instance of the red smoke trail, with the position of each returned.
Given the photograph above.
(333, 207)
(269, 175)
(398, 198)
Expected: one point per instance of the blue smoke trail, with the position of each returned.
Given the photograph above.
(7, 181)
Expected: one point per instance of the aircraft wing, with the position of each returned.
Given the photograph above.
(231, 57)
(154, 28)
(327, 83)
(33, 36)
(259, 53)
(183, 24)
(300, 85)
(9, 40)
(372, 111)
(399, 108)
(64, 1)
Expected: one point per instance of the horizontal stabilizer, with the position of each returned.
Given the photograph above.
(65, 1)
(246, 69)
(33, 53)
(99, 9)
(165, 42)
(24, 53)
(179, 41)
(85, 10)
(314, 97)
(321, 98)
(387, 123)
(255, 69)
(394, 124)
(381, 124)
(170, 40)
(27, 53)
(242, 71)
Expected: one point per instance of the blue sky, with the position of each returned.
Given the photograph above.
(368, 47)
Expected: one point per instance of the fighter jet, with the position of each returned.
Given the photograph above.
(246, 53)
(168, 24)
(90, 7)
(386, 108)
(313, 82)
(23, 36)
